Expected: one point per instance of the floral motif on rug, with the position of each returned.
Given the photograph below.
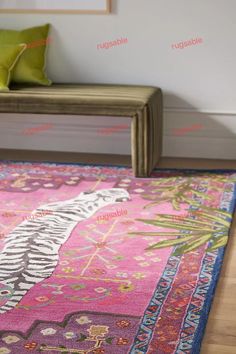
(93, 260)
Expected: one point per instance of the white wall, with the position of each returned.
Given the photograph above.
(198, 81)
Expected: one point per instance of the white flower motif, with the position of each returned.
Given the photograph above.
(139, 275)
(4, 350)
(139, 190)
(100, 290)
(156, 259)
(83, 320)
(48, 331)
(69, 335)
(144, 264)
(10, 339)
(139, 258)
(64, 263)
(121, 275)
(150, 253)
(111, 266)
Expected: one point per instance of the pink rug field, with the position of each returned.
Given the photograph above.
(93, 260)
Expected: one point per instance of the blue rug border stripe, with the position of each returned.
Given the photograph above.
(65, 163)
(118, 166)
(200, 331)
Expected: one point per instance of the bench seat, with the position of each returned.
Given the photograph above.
(141, 103)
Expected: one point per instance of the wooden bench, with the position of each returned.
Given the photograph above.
(141, 103)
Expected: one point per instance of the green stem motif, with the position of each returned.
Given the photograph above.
(206, 226)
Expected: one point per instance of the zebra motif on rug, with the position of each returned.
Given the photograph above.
(31, 250)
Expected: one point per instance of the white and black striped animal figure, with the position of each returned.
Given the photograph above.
(31, 250)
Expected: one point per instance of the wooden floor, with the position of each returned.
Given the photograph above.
(220, 335)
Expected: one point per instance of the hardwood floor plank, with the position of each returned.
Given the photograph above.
(220, 334)
(221, 327)
(217, 349)
(221, 338)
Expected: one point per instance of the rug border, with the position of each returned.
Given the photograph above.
(199, 334)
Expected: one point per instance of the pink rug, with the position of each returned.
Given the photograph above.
(93, 260)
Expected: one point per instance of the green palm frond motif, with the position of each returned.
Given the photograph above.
(177, 191)
(197, 229)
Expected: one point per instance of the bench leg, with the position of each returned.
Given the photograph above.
(146, 141)
(139, 145)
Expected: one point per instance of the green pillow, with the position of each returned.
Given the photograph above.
(9, 55)
(31, 65)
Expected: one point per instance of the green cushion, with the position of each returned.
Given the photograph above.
(31, 65)
(9, 55)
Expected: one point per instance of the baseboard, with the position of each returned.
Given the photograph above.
(187, 133)
(84, 134)
(204, 134)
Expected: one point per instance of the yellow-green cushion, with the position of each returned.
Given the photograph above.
(30, 68)
(9, 55)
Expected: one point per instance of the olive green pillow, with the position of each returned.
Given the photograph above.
(9, 55)
(30, 68)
